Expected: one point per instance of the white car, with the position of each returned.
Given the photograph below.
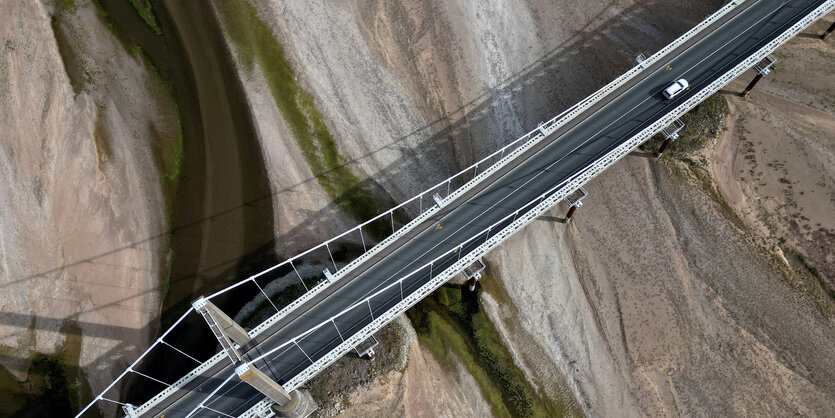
(676, 88)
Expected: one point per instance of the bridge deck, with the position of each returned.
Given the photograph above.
(565, 152)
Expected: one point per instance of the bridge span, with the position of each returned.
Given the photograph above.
(458, 221)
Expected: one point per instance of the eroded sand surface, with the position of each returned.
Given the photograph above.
(82, 211)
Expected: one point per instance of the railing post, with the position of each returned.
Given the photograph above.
(392, 221)
(401, 290)
(364, 249)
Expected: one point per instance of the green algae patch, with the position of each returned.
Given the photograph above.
(55, 386)
(255, 43)
(146, 12)
(453, 326)
(701, 125)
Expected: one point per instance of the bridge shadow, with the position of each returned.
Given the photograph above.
(729, 92)
(565, 74)
(552, 219)
(810, 35)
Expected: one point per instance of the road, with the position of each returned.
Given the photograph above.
(565, 152)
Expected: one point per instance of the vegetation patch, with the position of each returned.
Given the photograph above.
(55, 386)
(701, 125)
(807, 278)
(332, 387)
(453, 325)
(146, 12)
(255, 43)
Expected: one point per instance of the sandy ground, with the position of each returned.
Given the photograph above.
(82, 208)
(774, 164)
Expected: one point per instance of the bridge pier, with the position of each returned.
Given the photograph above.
(367, 348)
(763, 68)
(301, 405)
(671, 134)
(828, 31)
(223, 327)
(297, 404)
(751, 85)
(574, 201)
(570, 214)
(663, 147)
(473, 273)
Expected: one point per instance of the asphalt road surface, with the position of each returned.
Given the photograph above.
(565, 152)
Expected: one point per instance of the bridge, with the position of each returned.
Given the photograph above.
(414, 248)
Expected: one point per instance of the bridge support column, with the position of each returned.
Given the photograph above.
(828, 31)
(753, 83)
(763, 68)
(366, 348)
(670, 133)
(226, 324)
(663, 147)
(296, 404)
(472, 281)
(301, 405)
(473, 273)
(570, 214)
(263, 383)
(574, 201)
